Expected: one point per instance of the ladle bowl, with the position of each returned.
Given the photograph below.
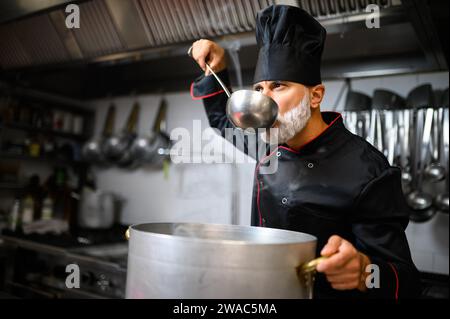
(251, 109)
(247, 109)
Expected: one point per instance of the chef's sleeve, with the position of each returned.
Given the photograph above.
(379, 221)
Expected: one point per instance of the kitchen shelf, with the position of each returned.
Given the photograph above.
(51, 159)
(28, 128)
(11, 186)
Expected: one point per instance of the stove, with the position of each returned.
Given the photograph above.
(86, 264)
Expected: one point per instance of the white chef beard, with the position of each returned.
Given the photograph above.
(289, 124)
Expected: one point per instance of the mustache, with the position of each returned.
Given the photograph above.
(289, 124)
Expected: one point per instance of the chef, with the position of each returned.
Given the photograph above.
(328, 183)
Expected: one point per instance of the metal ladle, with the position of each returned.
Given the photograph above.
(115, 147)
(419, 201)
(404, 133)
(435, 171)
(92, 150)
(151, 149)
(247, 109)
(442, 200)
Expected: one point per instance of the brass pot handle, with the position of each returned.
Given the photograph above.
(310, 266)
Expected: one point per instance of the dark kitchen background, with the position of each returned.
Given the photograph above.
(126, 70)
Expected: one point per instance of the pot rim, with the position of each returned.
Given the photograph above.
(308, 238)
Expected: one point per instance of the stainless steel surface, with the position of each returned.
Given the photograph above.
(224, 87)
(181, 260)
(247, 109)
(98, 209)
(92, 150)
(417, 199)
(102, 270)
(151, 149)
(251, 110)
(442, 200)
(115, 147)
(10, 9)
(434, 170)
(420, 201)
(415, 140)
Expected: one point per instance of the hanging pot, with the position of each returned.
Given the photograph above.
(115, 148)
(92, 150)
(153, 149)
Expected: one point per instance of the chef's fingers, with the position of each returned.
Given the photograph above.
(332, 246)
(346, 253)
(217, 60)
(343, 278)
(344, 286)
(200, 52)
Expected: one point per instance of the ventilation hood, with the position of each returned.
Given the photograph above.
(142, 44)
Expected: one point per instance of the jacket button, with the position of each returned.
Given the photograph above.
(310, 165)
(284, 200)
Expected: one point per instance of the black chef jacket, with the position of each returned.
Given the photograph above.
(337, 184)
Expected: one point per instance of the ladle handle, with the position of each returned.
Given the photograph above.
(213, 73)
(218, 80)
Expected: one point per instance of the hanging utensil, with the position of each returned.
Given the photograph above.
(405, 118)
(372, 127)
(442, 200)
(421, 96)
(420, 202)
(115, 147)
(92, 150)
(435, 171)
(153, 149)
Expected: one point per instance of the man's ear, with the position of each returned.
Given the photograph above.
(316, 94)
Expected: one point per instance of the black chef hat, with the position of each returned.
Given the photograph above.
(290, 43)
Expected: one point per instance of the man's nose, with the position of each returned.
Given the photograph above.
(267, 92)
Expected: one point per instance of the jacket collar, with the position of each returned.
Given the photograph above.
(334, 122)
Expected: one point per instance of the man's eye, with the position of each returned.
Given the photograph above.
(277, 85)
(258, 89)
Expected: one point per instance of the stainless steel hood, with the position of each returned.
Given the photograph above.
(123, 38)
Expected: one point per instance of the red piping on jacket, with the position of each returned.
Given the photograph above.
(257, 180)
(287, 149)
(396, 280)
(328, 126)
(204, 96)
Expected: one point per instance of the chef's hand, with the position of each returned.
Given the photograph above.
(345, 266)
(206, 51)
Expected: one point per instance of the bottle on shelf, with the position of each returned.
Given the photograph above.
(60, 193)
(28, 210)
(32, 201)
(47, 208)
(14, 217)
(34, 147)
